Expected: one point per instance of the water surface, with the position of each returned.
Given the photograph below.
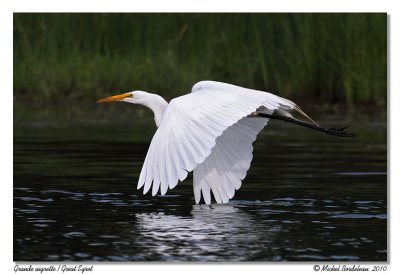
(307, 197)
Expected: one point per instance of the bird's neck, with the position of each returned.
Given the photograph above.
(158, 105)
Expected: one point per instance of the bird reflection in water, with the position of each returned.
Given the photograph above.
(211, 232)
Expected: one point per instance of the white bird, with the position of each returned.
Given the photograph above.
(209, 131)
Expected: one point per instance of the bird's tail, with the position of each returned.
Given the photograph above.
(287, 112)
(304, 114)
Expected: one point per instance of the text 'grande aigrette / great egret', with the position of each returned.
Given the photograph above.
(209, 131)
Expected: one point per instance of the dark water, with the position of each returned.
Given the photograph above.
(307, 197)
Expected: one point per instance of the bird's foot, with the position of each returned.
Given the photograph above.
(339, 132)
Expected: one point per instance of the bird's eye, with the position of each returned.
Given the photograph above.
(130, 95)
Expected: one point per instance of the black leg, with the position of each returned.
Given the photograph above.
(331, 131)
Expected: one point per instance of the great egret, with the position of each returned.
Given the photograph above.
(209, 131)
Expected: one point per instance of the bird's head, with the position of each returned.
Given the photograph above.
(135, 97)
(153, 101)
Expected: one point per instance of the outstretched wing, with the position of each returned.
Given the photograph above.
(191, 125)
(226, 167)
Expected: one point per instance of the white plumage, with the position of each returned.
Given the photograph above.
(209, 132)
(225, 168)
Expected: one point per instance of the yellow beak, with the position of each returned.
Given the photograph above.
(119, 97)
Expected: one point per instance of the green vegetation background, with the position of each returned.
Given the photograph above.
(331, 58)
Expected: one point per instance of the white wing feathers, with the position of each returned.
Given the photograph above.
(227, 165)
(189, 131)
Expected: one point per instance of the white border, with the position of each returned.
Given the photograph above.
(6, 82)
(202, 6)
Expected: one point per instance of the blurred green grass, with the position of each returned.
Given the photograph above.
(331, 58)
